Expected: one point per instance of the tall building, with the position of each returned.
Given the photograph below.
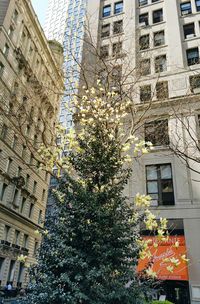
(152, 46)
(65, 23)
(30, 77)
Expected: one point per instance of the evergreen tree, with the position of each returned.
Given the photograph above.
(91, 250)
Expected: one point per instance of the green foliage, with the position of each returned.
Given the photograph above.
(90, 253)
(161, 302)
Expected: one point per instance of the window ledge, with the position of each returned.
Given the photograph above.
(149, 4)
(190, 39)
(151, 25)
(154, 48)
(111, 16)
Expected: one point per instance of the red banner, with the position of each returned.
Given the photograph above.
(161, 252)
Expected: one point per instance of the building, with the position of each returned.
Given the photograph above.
(154, 45)
(30, 78)
(65, 23)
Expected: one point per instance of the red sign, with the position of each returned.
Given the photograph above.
(161, 252)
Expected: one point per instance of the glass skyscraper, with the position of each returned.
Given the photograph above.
(65, 23)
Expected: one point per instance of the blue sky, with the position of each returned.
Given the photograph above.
(40, 7)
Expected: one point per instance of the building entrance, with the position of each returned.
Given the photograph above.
(176, 291)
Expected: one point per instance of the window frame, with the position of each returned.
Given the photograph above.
(160, 181)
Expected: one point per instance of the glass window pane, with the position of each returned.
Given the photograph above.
(152, 173)
(166, 172)
(167, 186)
(152, 187)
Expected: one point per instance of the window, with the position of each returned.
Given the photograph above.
(20, 275)
(8, 165)
(25, 241)
(194, 82)
(27, 180)
(156, 132)
(16, 198)
(162, 90)
(105, 30)
(106, 11)
(159, 38)
(186, 8)
(16, 237)
(11, 32)
(145, 67)
(158, 16)
(104, 51)
(22, 204)
(116, 75)
(192, 56)
(15, 15)
(145, 93)
(6, 232)
(117, 49)
(143, 2)
(160, 184)
(36, 248)
(11, 272)
(23, 151)
(6, 50)
(160, 64)
(197, 2)
(118, 27)
(144, 42)
(2, 67)
(118, 7)
(43, 195)
(189, 30)
(40, 217)
(4, 132)
(3, 191)
(2, 260)
(34, 187)
(14, 143)
(144, 19)
(31, 210)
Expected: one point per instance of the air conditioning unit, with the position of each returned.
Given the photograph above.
(190, 36)
(196, 90)
(187, 12)
(143, 24)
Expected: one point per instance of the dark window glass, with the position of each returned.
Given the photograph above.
(144, 42)
(186, 8)
(118, 8)
(156, 132)
(104, 51)
(105, 30)
(106, 11)
(118, 27)
(145, 67)
(142, 2)
(160, 184)
(145, 93)
(160, 64)
(158, 16)
(144, 18)
(189, 30)
(194, 82)
(192, 56)
(159, 38)
(162, 90)
(197, 2)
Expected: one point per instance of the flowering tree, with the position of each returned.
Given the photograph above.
(91, 247)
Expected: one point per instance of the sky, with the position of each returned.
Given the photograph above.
(40, 7)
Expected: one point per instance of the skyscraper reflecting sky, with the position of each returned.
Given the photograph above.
(65, 23)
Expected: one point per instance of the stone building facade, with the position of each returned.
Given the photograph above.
(154, 45)
(31, 81)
